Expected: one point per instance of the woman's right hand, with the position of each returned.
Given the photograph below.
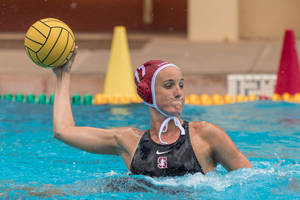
(66, 68)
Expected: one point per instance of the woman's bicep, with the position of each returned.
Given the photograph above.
(231, 158)
(94, 140)
(226, 153)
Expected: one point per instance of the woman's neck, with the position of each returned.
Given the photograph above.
(156, 120)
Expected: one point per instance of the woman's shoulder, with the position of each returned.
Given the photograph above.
(204, 129)
(129, 137)
(130, 134)
(201, 125)
(130, 131)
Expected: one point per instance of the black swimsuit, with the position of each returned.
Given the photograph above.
(174, 159)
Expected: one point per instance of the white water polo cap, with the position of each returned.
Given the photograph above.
(145, 77)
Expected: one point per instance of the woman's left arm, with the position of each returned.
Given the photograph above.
(224, 150)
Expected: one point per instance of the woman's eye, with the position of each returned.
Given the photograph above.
(168, 85)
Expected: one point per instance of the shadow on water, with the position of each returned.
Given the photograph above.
(138, 184)
(125, 184)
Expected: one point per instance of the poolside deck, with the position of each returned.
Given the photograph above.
(205, 64)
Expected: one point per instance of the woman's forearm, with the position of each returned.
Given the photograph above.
(62, 111)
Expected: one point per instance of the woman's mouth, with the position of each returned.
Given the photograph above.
(177, 103)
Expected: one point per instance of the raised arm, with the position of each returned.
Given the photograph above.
(62, 111)
(224, 151)
(118, 141)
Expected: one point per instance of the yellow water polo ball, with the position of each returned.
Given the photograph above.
(49, 43)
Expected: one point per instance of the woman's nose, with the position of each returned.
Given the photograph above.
(178, 92)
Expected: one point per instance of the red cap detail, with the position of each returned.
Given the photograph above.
(143, 77)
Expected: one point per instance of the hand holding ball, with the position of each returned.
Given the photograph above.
(49, 43)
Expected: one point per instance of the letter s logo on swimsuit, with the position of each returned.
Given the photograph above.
(162, 162)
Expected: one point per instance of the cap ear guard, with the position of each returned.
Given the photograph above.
(144, 90)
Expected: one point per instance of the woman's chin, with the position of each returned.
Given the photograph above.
(175, 112)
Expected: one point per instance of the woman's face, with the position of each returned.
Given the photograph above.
(169, 91)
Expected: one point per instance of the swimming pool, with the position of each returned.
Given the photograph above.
(34, 165)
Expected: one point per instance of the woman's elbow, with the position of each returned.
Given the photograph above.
(243, 162)
(59, 131)
(61, 126)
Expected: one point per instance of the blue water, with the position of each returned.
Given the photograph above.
(34, 165)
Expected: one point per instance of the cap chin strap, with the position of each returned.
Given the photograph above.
(164, 126)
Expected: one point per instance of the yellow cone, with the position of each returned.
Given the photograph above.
(119, 79)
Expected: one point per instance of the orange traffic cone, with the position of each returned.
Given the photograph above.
(288, 75)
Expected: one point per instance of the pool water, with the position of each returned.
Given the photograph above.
(34, 165)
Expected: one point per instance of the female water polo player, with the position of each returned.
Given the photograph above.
(171, 147)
